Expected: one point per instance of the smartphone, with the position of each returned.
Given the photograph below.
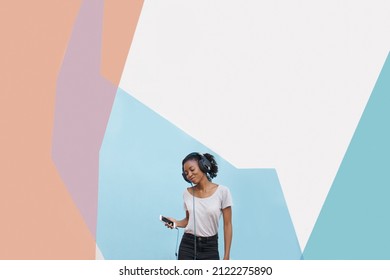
(166, 220)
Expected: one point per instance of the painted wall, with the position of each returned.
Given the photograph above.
(99, 107)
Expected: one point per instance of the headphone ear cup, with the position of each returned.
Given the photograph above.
(204, 164)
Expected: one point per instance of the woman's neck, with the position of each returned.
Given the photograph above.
(204, 185)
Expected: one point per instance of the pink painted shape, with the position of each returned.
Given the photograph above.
(83, 104)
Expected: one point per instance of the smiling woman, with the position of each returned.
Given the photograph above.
(204, 203)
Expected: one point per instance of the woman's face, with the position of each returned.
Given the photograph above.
(192, 171)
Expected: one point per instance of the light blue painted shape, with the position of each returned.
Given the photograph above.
(355, 220)
(140, 178)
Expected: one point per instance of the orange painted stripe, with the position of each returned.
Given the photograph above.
(38, 218)
(119, 25)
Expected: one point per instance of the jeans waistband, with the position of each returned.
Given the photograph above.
(201, 238)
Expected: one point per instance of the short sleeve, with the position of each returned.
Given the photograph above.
(184, 201)
(226, 198)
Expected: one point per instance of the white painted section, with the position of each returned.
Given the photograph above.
(277, 84)
(99, 254)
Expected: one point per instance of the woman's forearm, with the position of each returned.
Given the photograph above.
(228, 235)
(182, 223)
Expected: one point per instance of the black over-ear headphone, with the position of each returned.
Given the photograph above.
(203, 162)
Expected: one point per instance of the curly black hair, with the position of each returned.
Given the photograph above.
(214, 166)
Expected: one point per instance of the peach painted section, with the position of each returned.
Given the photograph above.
(38, 218)
(119, 24)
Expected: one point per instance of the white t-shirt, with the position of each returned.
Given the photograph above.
(208, 211)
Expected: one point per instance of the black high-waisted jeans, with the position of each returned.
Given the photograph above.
(206, 248)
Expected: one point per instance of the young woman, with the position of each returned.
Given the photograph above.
(204, 203)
